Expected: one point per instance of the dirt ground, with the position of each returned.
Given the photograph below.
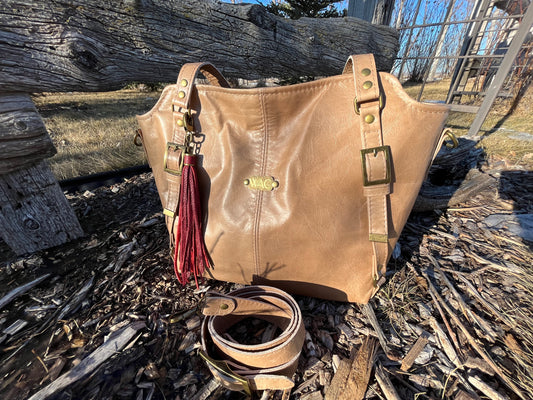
(460, 279)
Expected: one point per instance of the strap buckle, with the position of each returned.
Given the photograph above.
(374, 151)
(223, 373)
(174, 147)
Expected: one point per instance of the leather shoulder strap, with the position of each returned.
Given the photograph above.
(375, 155)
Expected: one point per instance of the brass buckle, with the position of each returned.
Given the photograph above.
(188, 121)
(225, 375)
(357, 107)
(374, 151)
(173, 147)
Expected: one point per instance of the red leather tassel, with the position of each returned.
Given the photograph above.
(190, 255)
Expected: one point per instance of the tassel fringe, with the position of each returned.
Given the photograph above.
(191, 256)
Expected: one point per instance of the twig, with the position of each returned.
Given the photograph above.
(468, 313)
(21, 290)
(91, 362)
(472, 340)
(40, 360)
(443, 316)
(439, 309)
(472, 290)
(490, 264)
(385, 384)
(206, 391)
(369, 313)
(486, 389)
(445, 343)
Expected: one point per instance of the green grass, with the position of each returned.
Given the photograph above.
(93, 132)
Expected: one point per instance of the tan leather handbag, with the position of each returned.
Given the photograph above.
(304, 187)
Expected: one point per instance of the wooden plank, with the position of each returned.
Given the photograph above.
(92, 45)
(34, 213)
(464, 108)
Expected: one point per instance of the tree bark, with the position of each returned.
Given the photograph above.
(34, 213)
(94, 45)
(23, 137)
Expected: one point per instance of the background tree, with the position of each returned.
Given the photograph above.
(295, 9)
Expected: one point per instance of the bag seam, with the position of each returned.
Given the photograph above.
(259, 202)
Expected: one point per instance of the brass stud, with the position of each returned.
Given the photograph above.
(180, 122)
(365, 72)
(224, 306)
(369, 118)
(246, 182)
(367, 84)
(181, 94)
(184, 82)
(275, 184)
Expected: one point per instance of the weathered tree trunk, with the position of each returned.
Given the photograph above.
(376, 11)
(90, 45)
(34, 213)
(23, 137)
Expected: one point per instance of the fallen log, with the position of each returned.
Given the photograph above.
(80, 45)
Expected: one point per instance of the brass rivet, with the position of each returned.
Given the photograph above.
(247, 182)
(275, 184)
(224, 306)
(180, 122)
(369, 118)
(365, 72)
(184, 82)
(367, 85)
(181, 94)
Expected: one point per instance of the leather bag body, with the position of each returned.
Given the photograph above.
(304, 187)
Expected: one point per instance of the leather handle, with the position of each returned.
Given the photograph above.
(187, 76)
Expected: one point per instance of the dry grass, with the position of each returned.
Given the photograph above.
(93, 132)
(506, 134)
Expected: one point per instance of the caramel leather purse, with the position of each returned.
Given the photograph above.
(304, 187)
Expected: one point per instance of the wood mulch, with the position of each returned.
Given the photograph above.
(104, 317)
